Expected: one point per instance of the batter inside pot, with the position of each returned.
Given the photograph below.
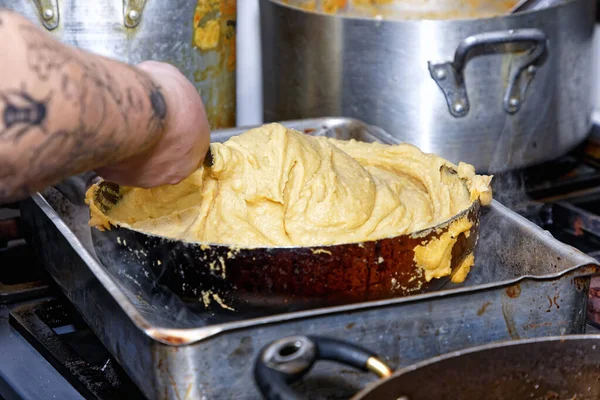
(274, 186)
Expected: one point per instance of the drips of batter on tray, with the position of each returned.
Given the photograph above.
(274, 186)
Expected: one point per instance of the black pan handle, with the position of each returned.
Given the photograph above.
(287, 360)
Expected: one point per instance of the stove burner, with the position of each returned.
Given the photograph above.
(57, 331)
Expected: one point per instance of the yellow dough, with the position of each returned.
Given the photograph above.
(273, 186)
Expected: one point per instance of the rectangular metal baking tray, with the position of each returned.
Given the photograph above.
(524, 284)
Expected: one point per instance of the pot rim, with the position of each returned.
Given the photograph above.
(417, 20)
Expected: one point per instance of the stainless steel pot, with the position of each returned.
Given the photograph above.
(174, 31)
(500, 93)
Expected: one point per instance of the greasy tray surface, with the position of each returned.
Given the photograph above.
(511, 249)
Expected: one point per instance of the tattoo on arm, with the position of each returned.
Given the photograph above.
(105, 110)
(21, 113)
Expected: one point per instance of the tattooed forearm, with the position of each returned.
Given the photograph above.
(63, 111)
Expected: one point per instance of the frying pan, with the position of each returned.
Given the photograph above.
(551, 368)
(226, 279)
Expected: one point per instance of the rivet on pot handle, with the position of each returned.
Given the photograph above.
(287, 360)
(450, 75)
(49, 13)
(132, 12)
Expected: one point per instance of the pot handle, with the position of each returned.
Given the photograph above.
(450, 75)
(132, 12)
(49, 13)
(287, 360)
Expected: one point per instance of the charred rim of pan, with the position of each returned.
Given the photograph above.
(107, 194)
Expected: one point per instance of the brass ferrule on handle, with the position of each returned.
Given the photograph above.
(378, 367)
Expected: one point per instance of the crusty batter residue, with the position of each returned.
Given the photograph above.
(274, 186)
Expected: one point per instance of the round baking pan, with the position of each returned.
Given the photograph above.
(232, 278)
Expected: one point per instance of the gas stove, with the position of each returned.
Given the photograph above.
(48, 351)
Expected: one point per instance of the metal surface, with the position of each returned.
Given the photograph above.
(287, 360)
(24, 373)
(538, 288)
(529, 5)
(376, 70)
(132, 12)
(290, 355)
(76, 354)
(196, 36)
(18, 284)
(538, 369)
(339, 127)
(450, 75)
(48, 13)
(541, 369)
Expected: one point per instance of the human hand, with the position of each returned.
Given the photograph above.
(183, 143)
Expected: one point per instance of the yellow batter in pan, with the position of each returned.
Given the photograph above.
(273, 186)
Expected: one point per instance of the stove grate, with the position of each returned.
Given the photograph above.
(57, 331)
